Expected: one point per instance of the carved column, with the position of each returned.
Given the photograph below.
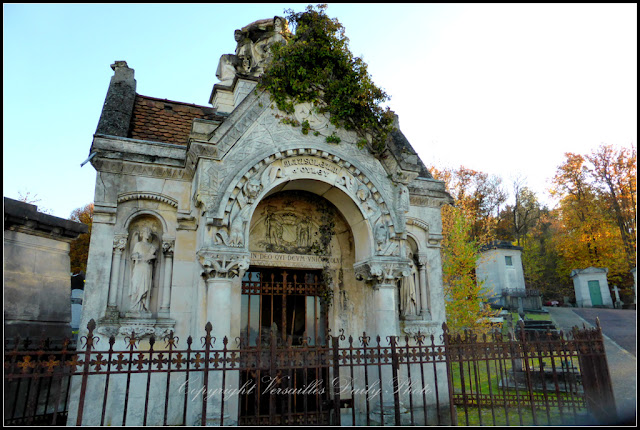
(119, 245)
(221, 271)
(425, 304)
(167, 249)
(383, 274)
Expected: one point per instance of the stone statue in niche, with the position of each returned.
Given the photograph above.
(142, 256)
(408, 295)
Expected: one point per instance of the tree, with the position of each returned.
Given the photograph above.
(32, 200)
(614, 172)
(478, 194)
(464, 297)
(79, 252)
(588, 231)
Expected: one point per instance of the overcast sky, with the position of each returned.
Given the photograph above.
(505, 89)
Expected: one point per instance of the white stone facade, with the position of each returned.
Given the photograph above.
(241, 195)
(591, 287)
(500, 267)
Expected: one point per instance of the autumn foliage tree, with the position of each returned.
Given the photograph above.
(596, 219)
(465, 301)
(79, 252)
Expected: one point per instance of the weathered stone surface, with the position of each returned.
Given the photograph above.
(37, 283)
(250, 192)
(118, 105)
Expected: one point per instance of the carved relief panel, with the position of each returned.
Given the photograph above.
(295, 228)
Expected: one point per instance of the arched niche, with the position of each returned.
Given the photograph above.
(135, 226)
(343, 203)
(286, 231)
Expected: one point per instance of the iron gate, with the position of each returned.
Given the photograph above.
(465, 379)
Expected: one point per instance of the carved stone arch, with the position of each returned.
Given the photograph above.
(418, 230)
(413, 244)
(166, 232)
(309, 169)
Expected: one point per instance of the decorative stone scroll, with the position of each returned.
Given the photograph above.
(426, 328)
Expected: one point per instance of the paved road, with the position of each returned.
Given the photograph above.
(619, 329)
(618, 324)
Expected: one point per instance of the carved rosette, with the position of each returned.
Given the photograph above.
(223, 264)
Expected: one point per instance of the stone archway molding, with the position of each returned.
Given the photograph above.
(318, 171)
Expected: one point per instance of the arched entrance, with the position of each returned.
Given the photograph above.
(300, 245)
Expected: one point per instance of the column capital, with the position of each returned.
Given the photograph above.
(422, 259)
(382, 271)
(167, 246)
(119, 243)
(223, 263)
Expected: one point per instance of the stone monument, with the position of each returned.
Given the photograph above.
(192, 202)
(591, 287)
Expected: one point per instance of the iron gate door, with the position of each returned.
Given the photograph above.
(284, 351)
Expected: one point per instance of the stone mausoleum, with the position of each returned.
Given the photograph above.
(499, 267)
(591, 287)
(197, 207)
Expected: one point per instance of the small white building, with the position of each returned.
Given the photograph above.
(499, 265)
(591, 287)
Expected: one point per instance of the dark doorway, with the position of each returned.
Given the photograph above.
(284, 327)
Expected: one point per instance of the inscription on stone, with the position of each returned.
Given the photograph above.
(310, 166)
(291, 260)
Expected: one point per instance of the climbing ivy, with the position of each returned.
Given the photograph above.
(322, 247)
(316, 66)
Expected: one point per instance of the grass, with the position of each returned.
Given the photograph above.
(482, 376)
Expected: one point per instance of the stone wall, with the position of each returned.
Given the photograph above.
(37, 283)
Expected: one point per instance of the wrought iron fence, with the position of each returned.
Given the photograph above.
(465, 379)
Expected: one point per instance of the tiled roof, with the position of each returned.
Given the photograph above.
(165, 121)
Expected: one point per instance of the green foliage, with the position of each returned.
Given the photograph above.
(316, 66)
(322, 247)
(334, 138)
(463, 295)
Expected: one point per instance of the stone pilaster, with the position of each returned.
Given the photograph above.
(222, 270)
(167, 249)
(119, 245)
(425, 304)
(383, 274)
